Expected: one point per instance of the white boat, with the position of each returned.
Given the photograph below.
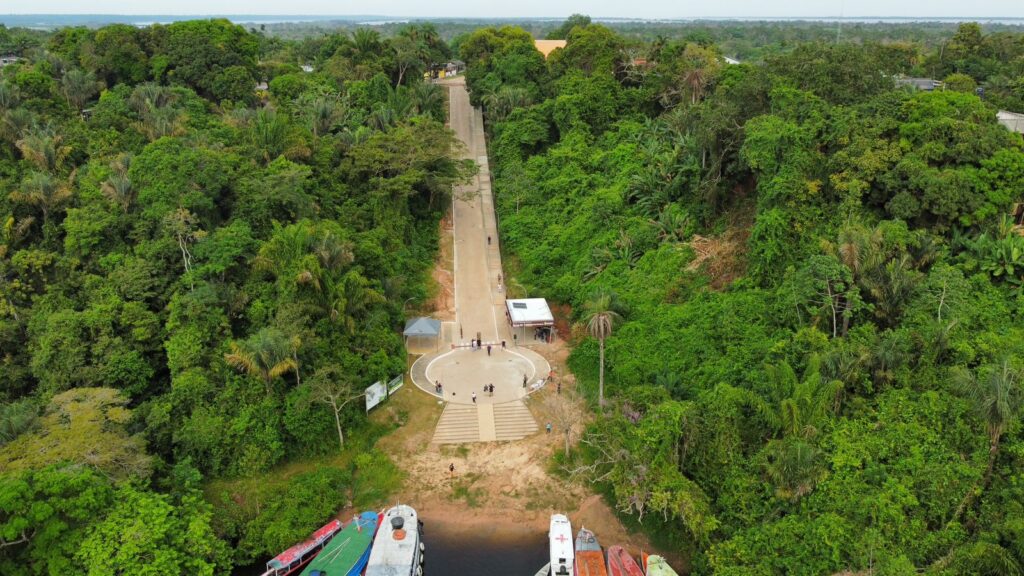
(560, 540)
(397, 549)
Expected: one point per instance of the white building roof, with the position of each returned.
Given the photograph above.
(529, 312)
(1013, 121)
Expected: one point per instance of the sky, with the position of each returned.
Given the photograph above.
(536, 8)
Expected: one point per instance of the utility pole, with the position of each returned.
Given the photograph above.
(839, 24)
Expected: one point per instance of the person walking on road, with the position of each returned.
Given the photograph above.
(488, 349)
(474, 397)
(488, 240)
(524, 381)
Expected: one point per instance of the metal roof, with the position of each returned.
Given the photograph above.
(422, 327)
(529, 312)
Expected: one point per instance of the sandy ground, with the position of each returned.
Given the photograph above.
(502, 489)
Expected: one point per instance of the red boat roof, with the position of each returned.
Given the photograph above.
(299, 550)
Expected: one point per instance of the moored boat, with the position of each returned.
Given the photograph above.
(589, 558)
(658, 566)
(397, 549)
(560, 543)
(346, 554)
(620, 563)
(295, 558)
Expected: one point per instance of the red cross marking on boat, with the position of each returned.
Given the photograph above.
(561, 538)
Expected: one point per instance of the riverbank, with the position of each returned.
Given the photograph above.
(502, 494)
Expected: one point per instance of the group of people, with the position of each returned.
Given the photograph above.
(477, 344)
(438, 389)
(489, 388)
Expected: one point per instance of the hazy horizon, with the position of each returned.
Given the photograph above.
(640, 10)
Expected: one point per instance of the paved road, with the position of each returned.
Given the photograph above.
(479, 305)
(479, 310)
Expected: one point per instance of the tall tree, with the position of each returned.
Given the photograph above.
(995, 391)
(601, 318)
(335, 387)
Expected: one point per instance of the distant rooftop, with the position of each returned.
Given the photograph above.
(546, 47)
(926, 84)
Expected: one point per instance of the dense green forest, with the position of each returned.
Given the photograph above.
(195, 275)
(802, 281)
(807, 290)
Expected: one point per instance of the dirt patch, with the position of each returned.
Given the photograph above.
(723, 257)
(442, 300)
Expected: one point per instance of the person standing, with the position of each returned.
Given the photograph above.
(474, 397)
(502, 344)
(524, 381)
(451, 471)
(488, 240)
(488, 349)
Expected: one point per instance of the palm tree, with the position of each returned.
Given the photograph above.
(266, 355)
(366, 42)
(44, 149)
(15, 123)
(801, 404)
(159, 122)
(997, 398)
(794, 468)
(148, 96)
(323, 114)
(43, 191)
(272, 134)
(601, 318)
(9, 95)
(118, 187)
(79, 87)
(427, 98)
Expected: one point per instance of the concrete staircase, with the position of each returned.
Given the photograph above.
(459, 423)
(463, 423)
(513, 421)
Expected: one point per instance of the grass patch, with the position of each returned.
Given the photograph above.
(463, 489)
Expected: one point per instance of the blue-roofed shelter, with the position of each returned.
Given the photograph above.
(422, 327)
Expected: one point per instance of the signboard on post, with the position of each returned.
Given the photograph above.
(395, 384)
(375, 394)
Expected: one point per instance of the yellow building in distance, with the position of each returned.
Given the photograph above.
(546, 47)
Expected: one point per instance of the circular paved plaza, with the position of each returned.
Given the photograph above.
(464, 371)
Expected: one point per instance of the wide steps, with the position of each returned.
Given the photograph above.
(513, 421)
(459, 424)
